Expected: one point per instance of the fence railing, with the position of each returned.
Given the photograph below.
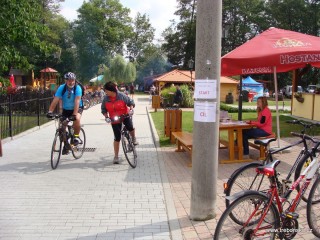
(22, 111)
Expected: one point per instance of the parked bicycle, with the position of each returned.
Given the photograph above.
(246, 177)
(129, 149)
(268, 215)
(64, 137)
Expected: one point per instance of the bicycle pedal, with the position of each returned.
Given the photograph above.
(292, 215)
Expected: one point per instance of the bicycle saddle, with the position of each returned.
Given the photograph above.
(264, 142)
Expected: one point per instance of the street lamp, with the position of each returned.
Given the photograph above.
(190, 64)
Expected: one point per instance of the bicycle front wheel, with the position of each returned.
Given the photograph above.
(56, 150)
(78, 150)
(258, 220)
(129, 149)
(313, 208)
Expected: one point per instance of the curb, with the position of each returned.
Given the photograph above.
(173, 221)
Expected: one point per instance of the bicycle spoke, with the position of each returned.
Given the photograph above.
(255, 219)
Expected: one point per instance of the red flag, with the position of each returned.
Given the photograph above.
(13, 84)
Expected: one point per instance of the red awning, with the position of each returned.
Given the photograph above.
(283, 49)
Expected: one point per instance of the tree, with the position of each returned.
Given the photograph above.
(180, 37)
(142, 36)
(100, 33)
(21, 31)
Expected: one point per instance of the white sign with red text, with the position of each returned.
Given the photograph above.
(205, 111)
(205, 89)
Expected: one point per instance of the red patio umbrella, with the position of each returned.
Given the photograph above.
(274, 50)
(283, 49)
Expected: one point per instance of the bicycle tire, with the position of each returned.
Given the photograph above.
(129, 149)
(250, 207)
(78, 150)
(301, 166)
(313, 215)
(56, 150)
(242, 179)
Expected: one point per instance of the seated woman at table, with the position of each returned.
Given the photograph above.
(263, 125)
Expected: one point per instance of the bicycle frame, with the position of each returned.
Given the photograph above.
(274, 196)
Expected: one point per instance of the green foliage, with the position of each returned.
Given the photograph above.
(187, 96)
(168, 93)
(102, 29)
(21, 31)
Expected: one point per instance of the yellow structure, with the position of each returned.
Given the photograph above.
(306, 106)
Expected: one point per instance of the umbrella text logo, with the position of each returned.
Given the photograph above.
(289, 43)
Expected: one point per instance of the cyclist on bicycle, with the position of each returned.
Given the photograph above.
(116, 103)
(72, 107)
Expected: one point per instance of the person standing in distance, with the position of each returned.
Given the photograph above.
(70, 95)
(116, 103)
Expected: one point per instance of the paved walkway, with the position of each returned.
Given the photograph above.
(91, 198)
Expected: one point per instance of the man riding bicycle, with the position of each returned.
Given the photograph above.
(116, 103)
(69, 94)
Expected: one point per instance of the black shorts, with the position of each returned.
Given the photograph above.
(117, 128)
(69, 113)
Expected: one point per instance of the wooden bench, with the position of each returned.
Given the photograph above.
(262, 149)
(184, 141)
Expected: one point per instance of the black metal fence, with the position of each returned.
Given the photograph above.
(23, 110)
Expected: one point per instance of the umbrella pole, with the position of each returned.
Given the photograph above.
(277, 107)
(240, 100)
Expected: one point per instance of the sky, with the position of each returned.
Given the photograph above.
(160, 12)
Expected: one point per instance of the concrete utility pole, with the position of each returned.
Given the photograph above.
(206, 121)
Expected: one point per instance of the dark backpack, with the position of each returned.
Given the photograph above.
(74, 88)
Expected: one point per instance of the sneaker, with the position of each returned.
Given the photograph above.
(116, 160)
(65, 151)
(76, 141)
(134, 141)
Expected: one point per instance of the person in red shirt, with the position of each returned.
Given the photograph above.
(263, 125)
(116, 103)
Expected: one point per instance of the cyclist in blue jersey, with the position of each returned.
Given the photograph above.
(69, 94)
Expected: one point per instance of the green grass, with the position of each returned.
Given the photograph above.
(187, 124)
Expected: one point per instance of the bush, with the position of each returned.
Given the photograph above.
(168, 93)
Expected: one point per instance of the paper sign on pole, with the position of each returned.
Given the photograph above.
(205, 111)
(205, 89)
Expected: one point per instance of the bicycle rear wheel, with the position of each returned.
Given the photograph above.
(249, 209)
(129, 149)
(313, 208)
(78, 150)
(56, 150)
(246, 178)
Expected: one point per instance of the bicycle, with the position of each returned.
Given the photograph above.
(129, 149)
(65, 134)
(265, 215)
(246, 177)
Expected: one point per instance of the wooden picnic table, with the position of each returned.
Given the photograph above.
(234, 127)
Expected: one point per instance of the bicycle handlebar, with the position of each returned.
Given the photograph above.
(118, 118)
(305, 125)
(305, 136)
